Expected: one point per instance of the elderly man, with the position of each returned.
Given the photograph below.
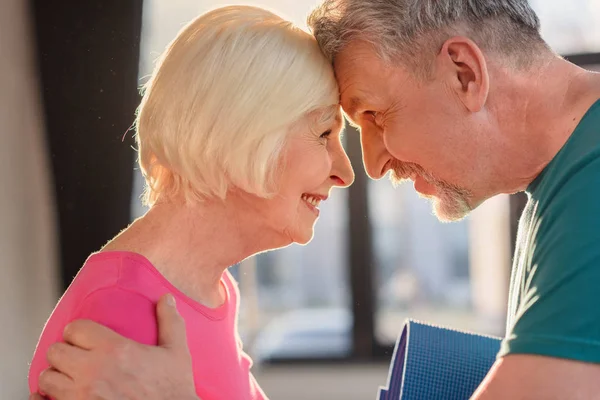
(465, 99)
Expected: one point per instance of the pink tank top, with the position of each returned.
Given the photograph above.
(120, 291)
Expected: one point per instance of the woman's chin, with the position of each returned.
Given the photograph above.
(304, 238)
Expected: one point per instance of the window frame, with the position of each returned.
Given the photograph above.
(362, 268)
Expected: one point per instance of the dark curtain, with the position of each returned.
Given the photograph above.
(87, 54)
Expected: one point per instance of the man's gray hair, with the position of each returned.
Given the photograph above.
(416, 28)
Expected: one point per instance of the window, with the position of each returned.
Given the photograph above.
(378, 255)
(296, 305)
(426, 270)
(570, 27)
(422, 265)
(294, 300)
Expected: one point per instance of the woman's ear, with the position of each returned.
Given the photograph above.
(462, 65)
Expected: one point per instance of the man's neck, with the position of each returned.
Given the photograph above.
(542, 109)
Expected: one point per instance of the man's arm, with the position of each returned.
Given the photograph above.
(552, 349)
(523, 376)
(97, 363)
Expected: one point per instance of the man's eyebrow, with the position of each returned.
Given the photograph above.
(355, 103)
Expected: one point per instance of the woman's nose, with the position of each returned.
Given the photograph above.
(342, 173)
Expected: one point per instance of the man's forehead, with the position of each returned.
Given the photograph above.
(358, 94)
(356, 70)
(357, 54)
(350, 66)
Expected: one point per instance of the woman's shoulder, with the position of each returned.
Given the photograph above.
(110, 288)
(125, 270)
(108, 281)
(97, 294)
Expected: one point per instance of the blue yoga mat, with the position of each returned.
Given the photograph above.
(435, 363)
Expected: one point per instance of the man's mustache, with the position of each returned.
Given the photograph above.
(402, 171)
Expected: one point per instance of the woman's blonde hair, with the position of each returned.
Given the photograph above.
(220, 103)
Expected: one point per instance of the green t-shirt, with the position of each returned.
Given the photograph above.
(554, 302)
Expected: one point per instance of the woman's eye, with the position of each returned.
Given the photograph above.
(325, 134)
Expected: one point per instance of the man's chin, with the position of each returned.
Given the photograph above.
(450, 211)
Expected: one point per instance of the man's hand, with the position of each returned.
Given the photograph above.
(97, 363)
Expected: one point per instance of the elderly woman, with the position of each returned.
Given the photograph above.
(239, 142)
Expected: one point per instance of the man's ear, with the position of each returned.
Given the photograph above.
(462, 65)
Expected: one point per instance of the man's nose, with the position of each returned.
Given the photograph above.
(375, 155)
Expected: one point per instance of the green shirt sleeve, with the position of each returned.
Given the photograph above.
(558, 287)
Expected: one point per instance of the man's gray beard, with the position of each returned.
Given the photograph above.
(450, 203)
(450, 206)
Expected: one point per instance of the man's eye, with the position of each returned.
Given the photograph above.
(325, 134)
(370, 114)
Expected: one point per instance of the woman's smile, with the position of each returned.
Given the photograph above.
(312, 201)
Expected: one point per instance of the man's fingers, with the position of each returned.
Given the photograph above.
(171, 326)
(66, 358)
(88, 334)
(54, 384)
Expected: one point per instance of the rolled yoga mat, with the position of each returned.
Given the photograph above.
(435, 363)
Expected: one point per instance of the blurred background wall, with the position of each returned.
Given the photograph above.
(87, 56)
(319, 320)
(28, 239)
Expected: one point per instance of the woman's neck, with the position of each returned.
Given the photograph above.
(191, 246)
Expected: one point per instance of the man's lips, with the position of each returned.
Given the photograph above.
(424, 187)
